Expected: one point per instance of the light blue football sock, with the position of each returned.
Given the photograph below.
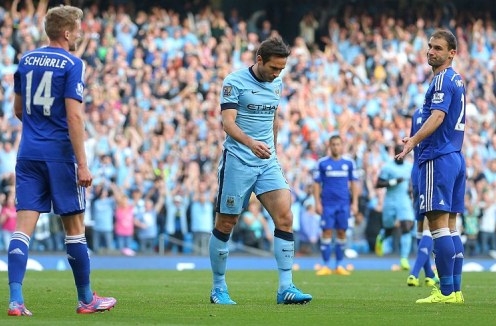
(219, 251)
(405, 244)
(284, 254)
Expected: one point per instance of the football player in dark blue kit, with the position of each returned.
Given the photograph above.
(51, 169)
(442, 170)
(424, 237)
(336, 193)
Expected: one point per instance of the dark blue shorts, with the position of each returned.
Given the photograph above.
(41, 185)
(335, 217)
(442, 184)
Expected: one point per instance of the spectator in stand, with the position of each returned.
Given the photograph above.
(146, 224)
(202, 218)
(487, 223)
(8, 153)
(102, 211)
(310, 229)
(8, 217)
(176, 225)
(490, 172)
(308, 26)
(124, 223)
(42, 240)
(125, 32)
(471, 226)
(253, 226)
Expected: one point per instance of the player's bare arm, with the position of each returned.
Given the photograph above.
(260, 149)
(430, 125)
(18, 106)
(355, 193)
(275, 129)
(75, 122)
(317, 188)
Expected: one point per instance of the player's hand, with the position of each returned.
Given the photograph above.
(318, 208)
(354, 209)
(85, 179)
(408, 145)
(261, 150)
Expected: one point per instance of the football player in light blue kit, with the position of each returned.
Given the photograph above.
(424, 237)
(442, 166)
(51, 168)
(335, 191)
(395, 177)
(249, 102)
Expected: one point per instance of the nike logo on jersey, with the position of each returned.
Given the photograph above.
(255, 92)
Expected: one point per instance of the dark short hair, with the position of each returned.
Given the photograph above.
(446, 35)
(273, 47)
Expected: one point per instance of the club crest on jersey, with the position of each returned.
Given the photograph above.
(438, 98)
(277, 91)
(230, 201)
(226, 91)
(79, 89)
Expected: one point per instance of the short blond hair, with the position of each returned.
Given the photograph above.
(60, 19)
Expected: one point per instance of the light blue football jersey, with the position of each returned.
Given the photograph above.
(398, 193)
(256, 102)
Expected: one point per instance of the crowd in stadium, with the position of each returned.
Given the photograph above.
(154, 136)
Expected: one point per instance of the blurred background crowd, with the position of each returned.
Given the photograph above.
(154, 70)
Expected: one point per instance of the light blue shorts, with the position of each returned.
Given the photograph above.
(397, 211)
(237, 181)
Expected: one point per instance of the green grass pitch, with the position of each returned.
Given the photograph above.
(168, 297)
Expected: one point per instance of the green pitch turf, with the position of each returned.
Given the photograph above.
(182, 298)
